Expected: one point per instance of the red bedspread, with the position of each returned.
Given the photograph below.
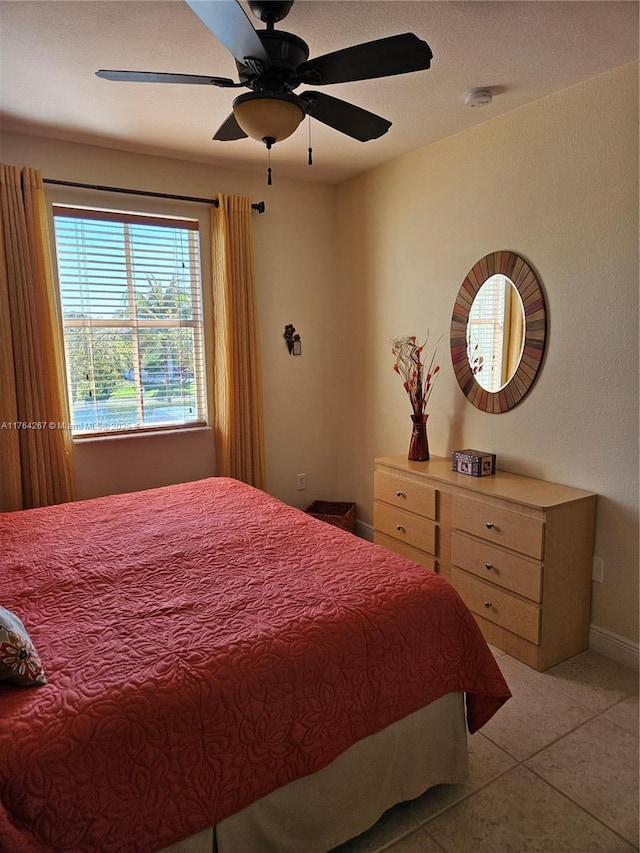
(205, 644)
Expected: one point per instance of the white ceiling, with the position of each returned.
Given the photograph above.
(524, 50)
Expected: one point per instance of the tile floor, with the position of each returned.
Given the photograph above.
(555, 771)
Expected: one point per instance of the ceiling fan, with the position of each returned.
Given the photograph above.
(273, 63)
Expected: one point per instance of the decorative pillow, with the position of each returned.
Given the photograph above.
(19, 661)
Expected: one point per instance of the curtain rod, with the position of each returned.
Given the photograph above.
(259, 206)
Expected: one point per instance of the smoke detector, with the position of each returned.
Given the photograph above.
(478, 97)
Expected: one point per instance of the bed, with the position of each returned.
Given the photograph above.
(225, 669)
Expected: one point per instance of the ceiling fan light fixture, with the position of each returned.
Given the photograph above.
(265, 115)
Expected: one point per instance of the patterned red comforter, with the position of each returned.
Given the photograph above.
(205, 644)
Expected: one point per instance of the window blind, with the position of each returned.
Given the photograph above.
(131, 299)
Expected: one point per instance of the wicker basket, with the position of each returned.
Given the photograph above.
(339, 514)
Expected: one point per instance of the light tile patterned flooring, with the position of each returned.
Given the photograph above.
(555, 771)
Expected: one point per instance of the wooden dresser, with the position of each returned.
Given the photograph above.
(518, 550)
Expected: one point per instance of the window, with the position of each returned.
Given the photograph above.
(131, 303)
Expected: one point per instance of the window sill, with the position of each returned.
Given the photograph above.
(139, 433)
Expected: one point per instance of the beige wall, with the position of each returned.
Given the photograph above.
(296, 283)
(557, 182)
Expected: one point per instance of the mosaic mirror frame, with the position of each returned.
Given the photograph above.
(526, 282)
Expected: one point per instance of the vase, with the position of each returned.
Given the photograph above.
(419, 446)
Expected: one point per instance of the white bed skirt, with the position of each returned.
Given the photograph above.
(320, 811)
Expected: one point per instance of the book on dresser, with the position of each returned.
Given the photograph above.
(518, 550)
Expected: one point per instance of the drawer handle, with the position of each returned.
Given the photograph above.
(490, 525)
(401, 495)
(400, 528)
(488, 566)
(488, 604)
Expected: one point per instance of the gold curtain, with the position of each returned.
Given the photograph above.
(238, 423)
(515, 333)
(35, 449)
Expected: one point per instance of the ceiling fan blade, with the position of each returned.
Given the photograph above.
(381, 58)
(162, 77)
(229, 130)
(347, 118)
(228, 22)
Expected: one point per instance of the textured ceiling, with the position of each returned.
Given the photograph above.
(50, 49)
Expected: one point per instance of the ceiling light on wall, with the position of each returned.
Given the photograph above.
(478, 97)
(268, 115)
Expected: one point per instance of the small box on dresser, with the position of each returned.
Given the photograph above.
(475, 463)
(518, 550)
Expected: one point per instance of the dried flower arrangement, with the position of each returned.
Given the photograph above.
(418, 382)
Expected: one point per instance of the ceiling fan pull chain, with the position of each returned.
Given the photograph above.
(268, 141)
(310, 160)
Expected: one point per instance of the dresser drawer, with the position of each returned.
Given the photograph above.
(405, 527)
(494, 564)
(500, 526)
(405, 494)
(499, 606)
(406, 551)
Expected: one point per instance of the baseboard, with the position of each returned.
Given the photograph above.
(614, 646)
(364, 530)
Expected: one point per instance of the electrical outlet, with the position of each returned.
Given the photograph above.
(301, 482)
(598, 569)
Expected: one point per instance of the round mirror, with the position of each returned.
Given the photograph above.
(498, 332)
